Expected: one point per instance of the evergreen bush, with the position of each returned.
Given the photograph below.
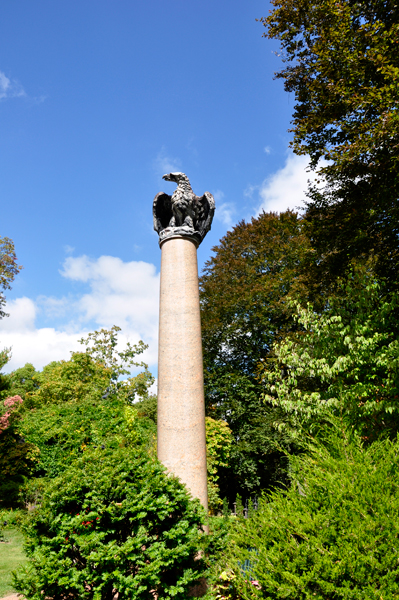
(113, 524)
(333, 535)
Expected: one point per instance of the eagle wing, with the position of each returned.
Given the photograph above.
(205, 210)
(162, 211)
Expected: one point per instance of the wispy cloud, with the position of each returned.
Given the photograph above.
(225, 211)
(166, 164)
(267, 150)
(10, 88)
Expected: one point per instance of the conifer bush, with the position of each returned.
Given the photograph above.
(334, 534)
(113, 524)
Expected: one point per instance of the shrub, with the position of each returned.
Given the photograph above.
(333, 535)
(113, 523)
(63, 431)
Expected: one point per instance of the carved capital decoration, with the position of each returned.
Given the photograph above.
(183, 214)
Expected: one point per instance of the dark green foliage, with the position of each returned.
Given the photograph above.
(148, 407)
(243, 312)
(18, 460)
(255, 463)
(113, 523)
(18, 457)
(342, 64)
(334, 534)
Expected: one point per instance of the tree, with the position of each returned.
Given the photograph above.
(102, 347)
(343, 67)
(96, 371)
(243, 293)
(8, 269)
(344, 362)
(23, 381)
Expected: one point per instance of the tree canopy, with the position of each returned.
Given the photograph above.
(343, 67)
(243, 292)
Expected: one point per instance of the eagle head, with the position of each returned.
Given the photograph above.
(176, 177)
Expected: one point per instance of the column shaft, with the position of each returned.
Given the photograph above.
(181, 411)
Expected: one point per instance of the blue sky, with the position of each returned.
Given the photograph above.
(98, 100)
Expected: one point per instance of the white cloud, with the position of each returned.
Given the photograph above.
(120, 293)
(267, 149)
(286, 188)
(166, 164)
(10, 89)
(22, 317)
(225, 211)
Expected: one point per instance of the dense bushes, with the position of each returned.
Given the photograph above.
(334, 534)
(63, 431)
(114, 522)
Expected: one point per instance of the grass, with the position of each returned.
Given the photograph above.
(11, 556)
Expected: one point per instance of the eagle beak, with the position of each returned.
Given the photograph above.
(167, 177)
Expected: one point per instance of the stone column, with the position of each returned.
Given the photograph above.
(182, 221)
(181, 411)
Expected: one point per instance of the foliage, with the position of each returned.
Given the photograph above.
(77, 404)
(72, 380)
(343, 67)
(218, 447)
(22, 381)
(346, 361)
(63, 431)
(95, 372)
(244, 310)
(243, 288)
(218, 579)
(5, 355)
(8, 269)
(126, 527)
(333, 534)
(18, 457)
(101, 346)
(148, 407)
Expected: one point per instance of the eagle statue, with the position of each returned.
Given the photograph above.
(182, 214)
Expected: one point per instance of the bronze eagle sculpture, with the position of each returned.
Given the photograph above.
(183, 213)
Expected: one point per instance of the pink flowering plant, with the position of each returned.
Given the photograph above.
(10, 404)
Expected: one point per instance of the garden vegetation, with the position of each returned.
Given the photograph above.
(300, 325)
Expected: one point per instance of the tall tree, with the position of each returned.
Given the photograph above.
(244, 310)
(343, 66)
(8, 269)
